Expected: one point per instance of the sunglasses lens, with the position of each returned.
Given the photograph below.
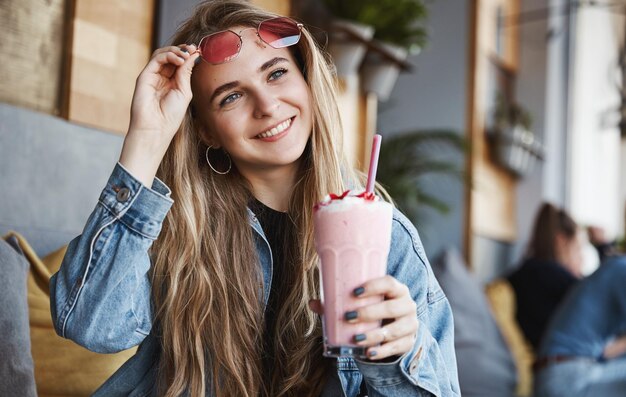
(279, 32)
(220, 47)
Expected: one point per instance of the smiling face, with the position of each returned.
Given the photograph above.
(256, 106)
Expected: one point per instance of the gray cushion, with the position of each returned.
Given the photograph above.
(17, 377)
(486, 367)
(52, 174)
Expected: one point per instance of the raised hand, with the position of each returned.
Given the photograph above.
(162, 95)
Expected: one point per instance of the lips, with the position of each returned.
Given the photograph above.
(276, 130)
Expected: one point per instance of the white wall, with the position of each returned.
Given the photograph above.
(171, 14)
(594, 181)
(542, 87)
(583, 170)
(434, 95)
(560, 43)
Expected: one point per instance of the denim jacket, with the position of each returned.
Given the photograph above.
(101, 299)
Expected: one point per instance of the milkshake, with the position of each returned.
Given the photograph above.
(352, 237)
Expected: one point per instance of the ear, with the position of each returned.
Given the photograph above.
(212, 142)
(208, 138)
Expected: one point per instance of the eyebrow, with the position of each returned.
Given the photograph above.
(271, 63)
(225, 87)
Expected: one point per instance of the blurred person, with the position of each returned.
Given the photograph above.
(583, 352)
(600, 241)
(551, 266)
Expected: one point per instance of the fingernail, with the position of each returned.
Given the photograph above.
(351, 316)
(197, 60)
(183, 49)
(371, 353)
(358, 291)
(359, 337)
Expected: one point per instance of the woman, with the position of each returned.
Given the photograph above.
(241, 132)
(583, 352)
(552, 266)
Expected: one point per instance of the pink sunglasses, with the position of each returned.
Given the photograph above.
(224, 46)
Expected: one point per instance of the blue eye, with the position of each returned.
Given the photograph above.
(230, 99)
(277, 74)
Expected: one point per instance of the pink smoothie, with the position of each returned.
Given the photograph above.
(352, 237)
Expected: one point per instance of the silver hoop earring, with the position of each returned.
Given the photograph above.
(230, 161)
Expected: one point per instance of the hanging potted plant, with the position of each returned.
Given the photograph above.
(515, 145)
(397, 32)
(348, 37)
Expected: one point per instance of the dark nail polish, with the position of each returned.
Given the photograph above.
(359, 337)
(197, 61)
(349, 316)
(358, 291)
(371, 353)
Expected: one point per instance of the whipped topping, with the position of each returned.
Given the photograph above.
(346, 199)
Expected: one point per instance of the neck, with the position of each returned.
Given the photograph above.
(274, 187)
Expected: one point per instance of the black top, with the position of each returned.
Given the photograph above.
(539, 288)
(274, 224)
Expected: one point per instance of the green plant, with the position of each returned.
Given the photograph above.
(509, 114)
(405, 159)
(395, 21)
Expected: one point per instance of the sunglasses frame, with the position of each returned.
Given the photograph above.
(296, 24)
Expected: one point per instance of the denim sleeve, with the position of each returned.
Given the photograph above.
(101, 296)
(429, 369)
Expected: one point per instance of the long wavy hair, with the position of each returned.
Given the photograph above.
(206, 277)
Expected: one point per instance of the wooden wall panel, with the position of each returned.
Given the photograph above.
(282, 7)
(32, 47)
(111, 43)
(492, 198)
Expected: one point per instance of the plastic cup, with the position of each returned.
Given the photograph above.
(352, 238)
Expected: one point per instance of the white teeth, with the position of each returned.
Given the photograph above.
(276, 130)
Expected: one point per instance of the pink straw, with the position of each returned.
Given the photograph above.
(371, 174)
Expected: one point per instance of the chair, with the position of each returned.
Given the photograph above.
(501, 297)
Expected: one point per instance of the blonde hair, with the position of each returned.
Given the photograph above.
(207, 283)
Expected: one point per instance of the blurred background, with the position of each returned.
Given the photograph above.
(487, 109)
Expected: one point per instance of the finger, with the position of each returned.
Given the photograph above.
(403, 327)
(388, 309)
(159, 62)
(182, 50)
(387, 286)
(183, 74)
(166, 60)
(316, 306)
(395, 348)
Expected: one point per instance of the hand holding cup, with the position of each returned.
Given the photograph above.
(398, 315)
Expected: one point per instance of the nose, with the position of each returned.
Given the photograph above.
(266, 104)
